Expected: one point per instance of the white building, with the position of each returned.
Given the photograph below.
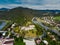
(13, 25)
(30, 27)
(45, 42)
(29, 42)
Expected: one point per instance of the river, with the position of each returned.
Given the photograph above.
(3, 23)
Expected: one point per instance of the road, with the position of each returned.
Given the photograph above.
(34, 20)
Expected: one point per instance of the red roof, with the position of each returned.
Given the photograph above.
(7, 42)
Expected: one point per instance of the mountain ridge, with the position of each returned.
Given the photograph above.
(19, 14)
(4, 9)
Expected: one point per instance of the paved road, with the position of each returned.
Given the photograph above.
(34, 20)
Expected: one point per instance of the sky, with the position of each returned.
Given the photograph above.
(34, 4)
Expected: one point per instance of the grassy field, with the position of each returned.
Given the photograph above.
(57, 18)
(19, 41)
(0, 22)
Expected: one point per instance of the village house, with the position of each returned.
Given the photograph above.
(45, 42)
(6, 41)
(30, 27)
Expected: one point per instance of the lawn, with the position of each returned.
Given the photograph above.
(19, 41)
(57, 19)
(0, 22)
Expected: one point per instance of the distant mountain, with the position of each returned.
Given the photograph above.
(21, 15)
(4, 9)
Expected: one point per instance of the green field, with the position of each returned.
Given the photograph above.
(57, 18)
(19, 41)
(0, 22)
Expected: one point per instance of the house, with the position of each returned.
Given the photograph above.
(30, 27)
(6, 41)
(29, 42)
(13, 25)
(45, 42)
(38, 41)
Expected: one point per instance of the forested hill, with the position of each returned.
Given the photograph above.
(20, 14)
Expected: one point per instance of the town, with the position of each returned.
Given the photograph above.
(38, 31)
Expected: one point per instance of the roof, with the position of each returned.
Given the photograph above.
(7, 41)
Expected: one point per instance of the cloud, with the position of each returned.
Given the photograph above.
(38, 7)
(39, 1)
(31, 2)
(34, 4)
(51, 1)
(43, 7)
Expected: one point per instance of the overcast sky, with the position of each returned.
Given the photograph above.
(34, 4)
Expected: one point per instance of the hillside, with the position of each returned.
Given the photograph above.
(22, 15)
(4, 9)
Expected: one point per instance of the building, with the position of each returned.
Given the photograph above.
(29, 42)
(6, 41)
(30, 27)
